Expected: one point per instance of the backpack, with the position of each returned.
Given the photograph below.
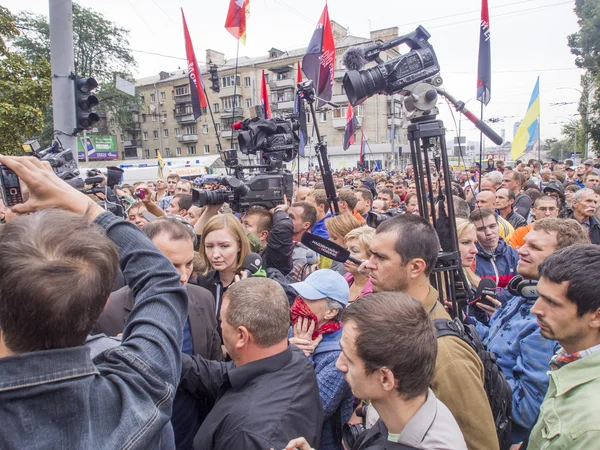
(496, 387)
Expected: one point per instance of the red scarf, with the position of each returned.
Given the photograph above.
(300, 309)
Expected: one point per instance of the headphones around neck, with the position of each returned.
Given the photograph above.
(523, 288)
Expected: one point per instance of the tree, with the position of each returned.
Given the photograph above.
(24, 90)
(101, 50)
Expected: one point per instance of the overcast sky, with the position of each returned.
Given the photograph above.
(528, 38)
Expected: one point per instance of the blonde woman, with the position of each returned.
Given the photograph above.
(358, 243)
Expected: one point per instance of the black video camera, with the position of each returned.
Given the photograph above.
(276, 138)
(390, 77)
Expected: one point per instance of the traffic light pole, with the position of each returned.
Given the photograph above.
(63, 68)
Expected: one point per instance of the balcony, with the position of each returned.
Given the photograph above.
(132, 143)
(185, 118)
(397, 121)
(229, 134)
(186, 138)
(133, 126)
(339, 74)
(239, 112)
(341, 122)
(287, 105)
(340, 99)
(282, 84)
(185, 98)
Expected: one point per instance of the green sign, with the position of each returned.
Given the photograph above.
(98, 147)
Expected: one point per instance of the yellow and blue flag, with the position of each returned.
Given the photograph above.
(527, 134)
(161, 165)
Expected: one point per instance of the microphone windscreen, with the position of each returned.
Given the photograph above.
(312, 257)
(487, 286)
(252, 263)
(236, 126)
(354, 58)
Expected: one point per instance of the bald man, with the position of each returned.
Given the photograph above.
(487, 199)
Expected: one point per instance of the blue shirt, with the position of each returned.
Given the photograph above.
(319, 227)
(186, 347)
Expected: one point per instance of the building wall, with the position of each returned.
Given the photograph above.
(162, 102)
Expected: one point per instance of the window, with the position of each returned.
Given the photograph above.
(147, 153)
(153, 117)
(181, 90)
(247, 82)
(191, 150)
(217, 127)
(143, 117)
(230, 102)
(190, 130)
(153, 100)
(324, 139)
(155, 134)
(218, 148)
(177, 132)
(216, 107)
(189, 109)
(323, 116)
(340, 113)
(178, 151)
(167, 152)
(248, 103)
(207, 148)
(163, 96)
(204, 129)
(284, 96)
(145, 134)
(112, 122)
(266, 77)
(142, 98)
(164, 115)
(156, 152)
(166, 133)
(229, 80)
(235, 146)
(283, 75)
(204, 111)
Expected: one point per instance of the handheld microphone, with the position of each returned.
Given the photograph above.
(487, 286)
(312, 257)
(252, 263)
(329, 249)
(354, 58)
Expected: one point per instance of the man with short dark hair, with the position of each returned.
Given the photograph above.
(364, 201)
(258, 221)
(404, 252)
(180, 205)
(347, 204)
(54, 285)
(181, 187)
(514, 181)
(391, 335)
(303, 216)
(269, 392)
(513, 335)
(568, 311)
(505, 200)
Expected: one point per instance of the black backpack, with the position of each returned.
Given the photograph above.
(496, 387)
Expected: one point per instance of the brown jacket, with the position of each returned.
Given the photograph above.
(458, 383)
(201, 313)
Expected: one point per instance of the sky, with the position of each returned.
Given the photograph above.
(528, 39)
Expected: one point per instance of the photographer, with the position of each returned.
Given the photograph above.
(54, 285)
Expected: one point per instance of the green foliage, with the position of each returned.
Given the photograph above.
(24, 90)
(101, 50)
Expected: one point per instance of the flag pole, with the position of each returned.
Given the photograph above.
(480, 148)
(213, 120)
(235, 75)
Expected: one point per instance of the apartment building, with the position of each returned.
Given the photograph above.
(165, 122)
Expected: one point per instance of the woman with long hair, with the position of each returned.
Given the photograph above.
(358, 243)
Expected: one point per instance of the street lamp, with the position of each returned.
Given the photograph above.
(585, 118)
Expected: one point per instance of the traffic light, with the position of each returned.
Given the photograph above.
(214, 78)
(84, 102)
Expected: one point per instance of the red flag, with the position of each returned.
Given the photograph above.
(299, 77)
(264, 96)
(236, 18)
(194, 75)
(484, 65)
(351, 125)
(319, 62)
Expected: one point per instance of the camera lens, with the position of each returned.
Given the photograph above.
(201, 197)
(360, 85)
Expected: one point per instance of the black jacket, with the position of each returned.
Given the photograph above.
(594, 230)
(260, 405)
(280, 244)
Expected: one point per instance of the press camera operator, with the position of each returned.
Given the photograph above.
(125, 394)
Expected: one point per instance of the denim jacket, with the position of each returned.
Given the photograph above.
(121, 399)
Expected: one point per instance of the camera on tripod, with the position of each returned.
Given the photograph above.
(389, 77)
(273, 141)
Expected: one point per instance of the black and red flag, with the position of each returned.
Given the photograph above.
(264, 96)
(350, 129)
(484, 66)
(319, 62)
(196, 84)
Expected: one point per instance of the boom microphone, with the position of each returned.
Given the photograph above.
(354, 58)
(329, 249)
(252, 263)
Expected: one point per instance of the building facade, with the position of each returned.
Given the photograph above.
(165, 122)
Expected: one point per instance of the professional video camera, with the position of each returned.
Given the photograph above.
(389, 77)
(274, 141)
(61, 160)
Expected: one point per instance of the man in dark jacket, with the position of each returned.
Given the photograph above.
(505, 200)
(268, 394)
(200, 335)
(584, 206)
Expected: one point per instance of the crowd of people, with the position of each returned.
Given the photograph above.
(150, 331)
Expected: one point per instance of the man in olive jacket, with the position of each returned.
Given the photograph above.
(404, 252)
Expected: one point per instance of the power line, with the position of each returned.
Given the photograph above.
(160, 54)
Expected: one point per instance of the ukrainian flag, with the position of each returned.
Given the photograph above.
(161, 165)
(527, 134)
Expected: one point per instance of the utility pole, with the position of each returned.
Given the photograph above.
(63, 67)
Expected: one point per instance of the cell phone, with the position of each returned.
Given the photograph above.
(11, 189)
(140, 193)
